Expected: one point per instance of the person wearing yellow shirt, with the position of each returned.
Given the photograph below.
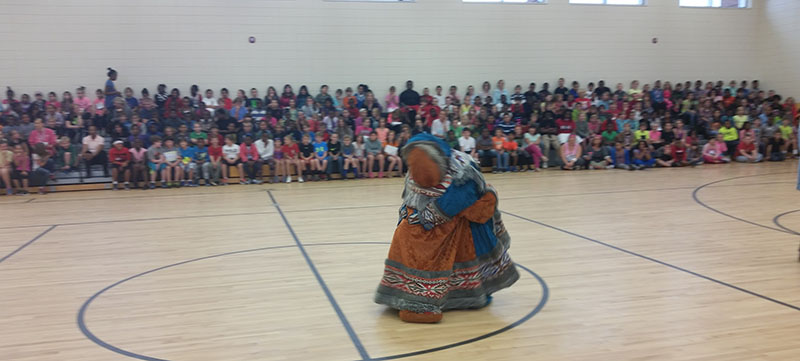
(642, 134)
(787, 132)
(740, 118)
(730, 135)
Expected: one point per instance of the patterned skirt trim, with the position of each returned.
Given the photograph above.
(467, 285)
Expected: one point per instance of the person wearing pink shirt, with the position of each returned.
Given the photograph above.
(382, 130)
(714, 151)
(99, 103)
(392, 100)
(43, 135)
(82, 101)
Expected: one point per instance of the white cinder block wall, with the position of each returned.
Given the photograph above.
(61, 44)
(779, 46)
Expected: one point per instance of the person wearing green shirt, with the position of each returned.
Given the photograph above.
(609, 136)
(197, 133)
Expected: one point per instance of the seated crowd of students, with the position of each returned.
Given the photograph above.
(173, 140)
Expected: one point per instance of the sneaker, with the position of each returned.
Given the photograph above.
(164, 185)
(523, 169)
(182, 184)
(214, 184)
(256, 181)
(243, 181)
(208, 184)
(300, 179)
(380, 174)
(152, 186)
(114, 187)
(127, 186)
(288, 179)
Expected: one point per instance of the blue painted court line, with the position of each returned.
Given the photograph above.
(698, 201)
(353, 336)
(777, 221)
(651, 259)
(27, 243)
(542, 301)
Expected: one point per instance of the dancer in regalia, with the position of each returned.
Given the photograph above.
(450, 248)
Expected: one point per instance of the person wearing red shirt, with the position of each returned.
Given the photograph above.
(679, 153)
(120, 161)
(291, 154)
(746, 151)
(215, 160)
(428, 111)
(565, 126)
(287, 96)
(251, 160)
(225, 101)
(582, 101)
(426, 96)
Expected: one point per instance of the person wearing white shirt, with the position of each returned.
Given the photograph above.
(439, 98)
(266, 147)
(210, 102)
(266, 150)
(467, 143)
(440, 125)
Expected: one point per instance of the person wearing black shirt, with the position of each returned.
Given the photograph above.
(545, 91)
(335, 153)
(664, 157)
(531, 99)
(306, 157)
(601, 88)
(561, 89)
(223, 119)
(774, 149)
(548, 130)
(409, 97)
(668, 135)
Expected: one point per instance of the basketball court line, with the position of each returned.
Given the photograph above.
(698, 201)
(139, 220)
(345, 323)
(777, 221)
(84, 328)
(357, 343)
(651, 259)
(26, 244)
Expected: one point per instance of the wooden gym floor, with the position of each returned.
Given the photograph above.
(677, 264)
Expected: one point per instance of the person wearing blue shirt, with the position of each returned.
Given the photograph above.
(320, 155)
(111, 91)
(188, 155)
(499, 91)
